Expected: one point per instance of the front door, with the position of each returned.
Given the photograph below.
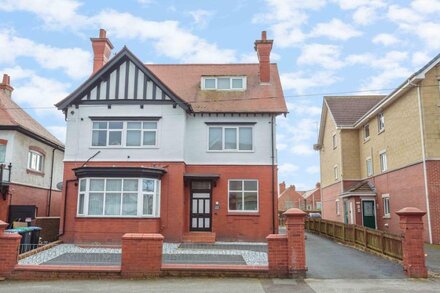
(368, 214)
(200, 206)
(345, 212)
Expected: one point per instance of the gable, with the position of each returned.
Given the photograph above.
(123, 80)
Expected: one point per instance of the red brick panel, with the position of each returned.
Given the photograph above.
(277, 254)
(296, 240)
(412, 243)
(433, 174)
(9, 244)
(141, 255)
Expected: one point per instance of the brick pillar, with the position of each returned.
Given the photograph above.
(277, 255)
(141, 255)
(412, 245)
(296, 240)
(9, 244)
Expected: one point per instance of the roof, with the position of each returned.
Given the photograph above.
(309, 193)
(364, 187)
(14, 118)
(185, 79)
(346, 110)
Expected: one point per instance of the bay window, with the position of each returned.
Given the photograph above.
(243, 195)
(230, 138)
(116, 197)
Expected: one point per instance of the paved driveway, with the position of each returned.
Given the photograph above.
(327, 259)
(433, 258)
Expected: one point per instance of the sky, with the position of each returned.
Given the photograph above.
(322, 47)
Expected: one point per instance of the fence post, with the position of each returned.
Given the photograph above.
(365, 238)
(9, 244)
(412, 243)
(141, 255)
(296, 243)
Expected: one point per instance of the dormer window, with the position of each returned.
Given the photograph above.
(224, 83)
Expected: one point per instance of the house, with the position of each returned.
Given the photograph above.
(379, 154)
(31, 160)
(289, 198)
(185, 150)
(312, 198)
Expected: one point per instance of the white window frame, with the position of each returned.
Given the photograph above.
(3, 159)
(334, 141)
(242, 191)
(386, 206)
(369, 172)
(223, 150)
(140, 200)
(380, 119)
(40, 161)
(383, 167)
(243, 78)
(124, 135)
(366, 138)
(338, 211)
(336, 172)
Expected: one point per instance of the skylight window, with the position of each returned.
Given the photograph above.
(224, 83)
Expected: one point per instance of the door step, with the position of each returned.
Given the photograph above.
(199, 237)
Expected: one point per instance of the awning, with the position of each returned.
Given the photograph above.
(139, 172)
(201, 176)
(363, 188)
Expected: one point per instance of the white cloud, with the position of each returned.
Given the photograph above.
(301, 81)
(72, 61)
(313, 170)
(365, 11)
(298, 130)
(326, 56)
(335, 29)
(58, 131)
(385, 39)
(287, 168)
(420, 58)
(55, 14)
(303, 108)
(302, 149)
(364, 15)
(201, 17)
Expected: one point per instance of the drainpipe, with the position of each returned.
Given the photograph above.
(50, 184)
(273, 173)
(425, 176)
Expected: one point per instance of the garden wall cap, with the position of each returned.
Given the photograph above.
(410, 211)
(294, 212)
(3, 225)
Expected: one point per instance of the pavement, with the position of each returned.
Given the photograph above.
(433, 258)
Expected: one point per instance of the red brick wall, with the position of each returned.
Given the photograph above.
(27, 195)
(329, 195)
(238, 226)
(174, 214)
(433, 174)
(4, 208)
(277, 254)
(9, 251)
(141, 255)
(292, 196)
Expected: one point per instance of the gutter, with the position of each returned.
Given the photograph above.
(50, 184)
(425, 176)
(273, 174)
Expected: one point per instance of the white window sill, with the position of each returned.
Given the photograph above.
(381, 131)
(366, 139)
(117, 217)
(229, 151)
(124, 147)
(386, 217)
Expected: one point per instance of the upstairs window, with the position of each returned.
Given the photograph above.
(35, 161)
(383, 161)
(229, 138)
(336, 172)
(2, 153)
(380, 122)
(334, 141)
(366, 132)
(224, 83)
(369, 162)
(124, 133)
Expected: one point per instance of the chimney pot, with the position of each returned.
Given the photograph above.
(102, 49)
(5, 86)
(282, 187)
(263, 48)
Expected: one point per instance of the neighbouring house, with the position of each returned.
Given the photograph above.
(379, 154)
(289, 198)
(31, 160)
(185, 150)
(312, 198)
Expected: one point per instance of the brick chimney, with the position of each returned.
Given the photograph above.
(102, 48)
(263, 48)
(318, 185)
(282, 187)
(5, 86)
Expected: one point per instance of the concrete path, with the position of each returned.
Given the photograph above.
(230, 285)
(433, 258)
(327, 259)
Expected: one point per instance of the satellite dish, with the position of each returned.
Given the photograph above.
(60, 185)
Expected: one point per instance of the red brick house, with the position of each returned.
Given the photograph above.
(185, 150)
(289, 198)
(312, 198)
(31, 160)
